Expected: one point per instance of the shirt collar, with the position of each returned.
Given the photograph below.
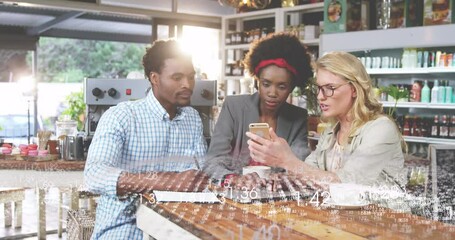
(158, 110)
(337, 126)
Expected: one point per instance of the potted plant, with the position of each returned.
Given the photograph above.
(396, 93)
(76, 108)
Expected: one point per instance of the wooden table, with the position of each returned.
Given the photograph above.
(282, 220)
(42, 176)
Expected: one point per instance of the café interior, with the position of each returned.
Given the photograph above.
(44, 196)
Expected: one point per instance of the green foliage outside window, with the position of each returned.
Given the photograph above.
(72, 60)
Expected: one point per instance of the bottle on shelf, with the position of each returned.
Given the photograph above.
(425, 59)
(415, 129)
(405, 58)
(444, 127)
(412, 58)
(435, 92)
(228, 38)
(452, 128)
(437, 58)
(425, 94)
(435, 127)
(442, 92)
(415, 92)
(449, 93)
(424, 127)
(406, 126)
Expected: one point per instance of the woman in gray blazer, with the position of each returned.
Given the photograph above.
(278, 63)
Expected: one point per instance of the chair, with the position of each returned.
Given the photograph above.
(74, 206)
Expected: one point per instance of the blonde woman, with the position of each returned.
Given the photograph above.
(362, 145)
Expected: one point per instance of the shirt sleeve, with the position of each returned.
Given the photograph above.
(101, 174)
(378, 148)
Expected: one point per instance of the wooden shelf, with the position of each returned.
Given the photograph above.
(412, 37)
(394, 71)
(417, 140)
(429, 140)
(420, 105)
(314, 7)
(245, 46)
(311, 42)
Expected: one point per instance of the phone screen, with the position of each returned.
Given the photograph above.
(260, 129)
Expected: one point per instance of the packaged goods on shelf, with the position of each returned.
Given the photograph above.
(342, 16)
(438, 12)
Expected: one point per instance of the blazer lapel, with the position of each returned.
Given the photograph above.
(284, 125)
(251, 110)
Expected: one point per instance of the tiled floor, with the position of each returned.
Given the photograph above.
(30, 218)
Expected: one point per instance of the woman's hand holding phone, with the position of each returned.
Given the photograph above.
(260, 129)
(272, 151)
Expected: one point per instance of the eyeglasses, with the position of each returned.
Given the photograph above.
(327, 90)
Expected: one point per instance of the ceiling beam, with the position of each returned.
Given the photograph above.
(28, 10)
(57, 13)
(48, 25)
(18, 42)
(91, 7)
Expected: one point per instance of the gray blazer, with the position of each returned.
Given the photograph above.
(228, 151)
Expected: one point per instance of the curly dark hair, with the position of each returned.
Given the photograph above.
(281, 45)
(153, 60)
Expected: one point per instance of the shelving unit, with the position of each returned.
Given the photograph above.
(420, 105)
(415, 37)
(429, 140)
(281, 16)
(391, 40)
(414, 140)
(412, 71)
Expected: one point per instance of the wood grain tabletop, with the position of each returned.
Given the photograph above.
(297, 220)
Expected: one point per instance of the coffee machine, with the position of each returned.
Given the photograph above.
(101, 94)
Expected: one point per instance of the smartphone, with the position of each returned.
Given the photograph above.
(260, 129)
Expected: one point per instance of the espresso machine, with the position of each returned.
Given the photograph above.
(101, 94)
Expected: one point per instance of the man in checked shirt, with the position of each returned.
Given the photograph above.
(150, 144)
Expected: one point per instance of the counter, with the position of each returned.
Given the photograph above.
(282, 220)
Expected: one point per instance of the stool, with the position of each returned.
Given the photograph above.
(16, 196)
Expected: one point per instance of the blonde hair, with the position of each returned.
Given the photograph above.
(346, 66)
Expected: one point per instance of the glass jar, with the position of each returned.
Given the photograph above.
(66, 127)
(383, 19)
